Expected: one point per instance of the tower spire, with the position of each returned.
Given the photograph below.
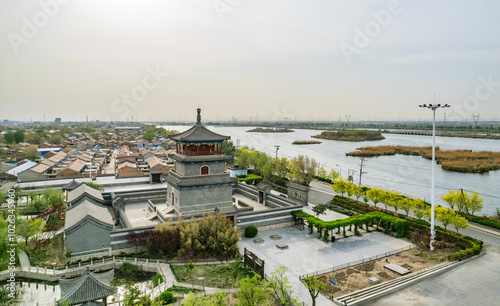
(198, 118)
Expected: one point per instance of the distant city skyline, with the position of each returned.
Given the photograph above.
(159, 60)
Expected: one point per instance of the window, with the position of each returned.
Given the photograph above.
(204, 170)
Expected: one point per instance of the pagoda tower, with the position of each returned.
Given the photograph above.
(200, 183)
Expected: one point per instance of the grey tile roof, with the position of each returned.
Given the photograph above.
(87, 210)
(71, 185)
(88, 287)
(199, 133)
(79, 191)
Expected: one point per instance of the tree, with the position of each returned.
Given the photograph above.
(303, 169)
(357, 191)
(14, 137)
(149, 135)
(322, 173)
(252, 291)
(375, 195)
(281, 166)
(243, 157)
(30, 152)
(460, 222)
(340, 186)
(419, 208)
(474, 203)
(452, 198)
(55, 139)
(280, 284)
(132, 293)
(54, 197)
(320, 209)
(314, 286)
(333, 175)
(406, 205)
(445, 215)
(33, 138)
(228, 148)
(29, 228)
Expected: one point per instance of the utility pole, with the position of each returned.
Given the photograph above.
(361, 170)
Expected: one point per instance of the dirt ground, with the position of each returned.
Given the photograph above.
(356, 277)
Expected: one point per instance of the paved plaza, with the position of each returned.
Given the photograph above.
(473, 283)
(307, 254)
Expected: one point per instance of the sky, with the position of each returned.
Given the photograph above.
(248, 59)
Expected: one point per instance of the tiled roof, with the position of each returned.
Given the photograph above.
(84, 189)
(71, 185)
(198, 133)
(87, 209)
(88, 287)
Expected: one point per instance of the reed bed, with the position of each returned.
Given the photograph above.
(451, 160)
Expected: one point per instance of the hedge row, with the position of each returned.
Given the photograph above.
(399, 225)
(482, 220)
(470, 245)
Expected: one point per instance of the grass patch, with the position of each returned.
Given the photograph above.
(44, 253)
(351, 135)
(217, 275)
(180, 289)
(451, 160)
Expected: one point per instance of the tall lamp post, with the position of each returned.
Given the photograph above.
(433, 107)
(277, 149)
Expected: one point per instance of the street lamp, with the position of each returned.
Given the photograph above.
(277, 148)
(433, 107)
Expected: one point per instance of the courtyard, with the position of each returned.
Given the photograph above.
(307, 254)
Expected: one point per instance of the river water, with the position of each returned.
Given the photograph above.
(410, 175)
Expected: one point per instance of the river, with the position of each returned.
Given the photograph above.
(410, 175)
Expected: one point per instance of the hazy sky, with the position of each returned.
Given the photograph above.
(299, 59)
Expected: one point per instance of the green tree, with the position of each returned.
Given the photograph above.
(149, 135)
(228, 148)
(375, 195)
(243, 157)
(418, 208)
(474, 203)
(303, 169)
(14, 137)
(30, 152)
(322, 173)
(29, 228)
(357, 191)
(132, 293)
(54, 197)
(320, 209)
(445, 215)
(333, 175)
(452, 198)
(460, 222)
(340, 186)
(281, 167)
(314, 286)
(252, 292)
(406, 205)
(280, 284)
(55, 139)
(33, 138)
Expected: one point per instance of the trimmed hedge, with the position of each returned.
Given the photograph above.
(482, 221)
(399, 225)
(251, 231)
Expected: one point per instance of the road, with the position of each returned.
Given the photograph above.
(320, 193)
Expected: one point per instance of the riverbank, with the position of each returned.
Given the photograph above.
(452, 160)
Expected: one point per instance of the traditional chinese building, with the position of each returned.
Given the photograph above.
(200, 182)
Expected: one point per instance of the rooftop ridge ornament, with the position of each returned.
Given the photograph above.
(198, 118)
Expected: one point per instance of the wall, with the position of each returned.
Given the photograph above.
(87, 236)
(209, 197)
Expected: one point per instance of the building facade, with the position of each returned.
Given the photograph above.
(199, 183)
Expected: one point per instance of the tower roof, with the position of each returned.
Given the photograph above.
(199, 133)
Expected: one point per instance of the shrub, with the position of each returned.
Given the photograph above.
(157, 279)
(167, 297)
(251, 231)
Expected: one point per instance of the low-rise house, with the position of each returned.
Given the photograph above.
(128, 168)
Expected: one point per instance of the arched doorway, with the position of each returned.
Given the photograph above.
(204, 170)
